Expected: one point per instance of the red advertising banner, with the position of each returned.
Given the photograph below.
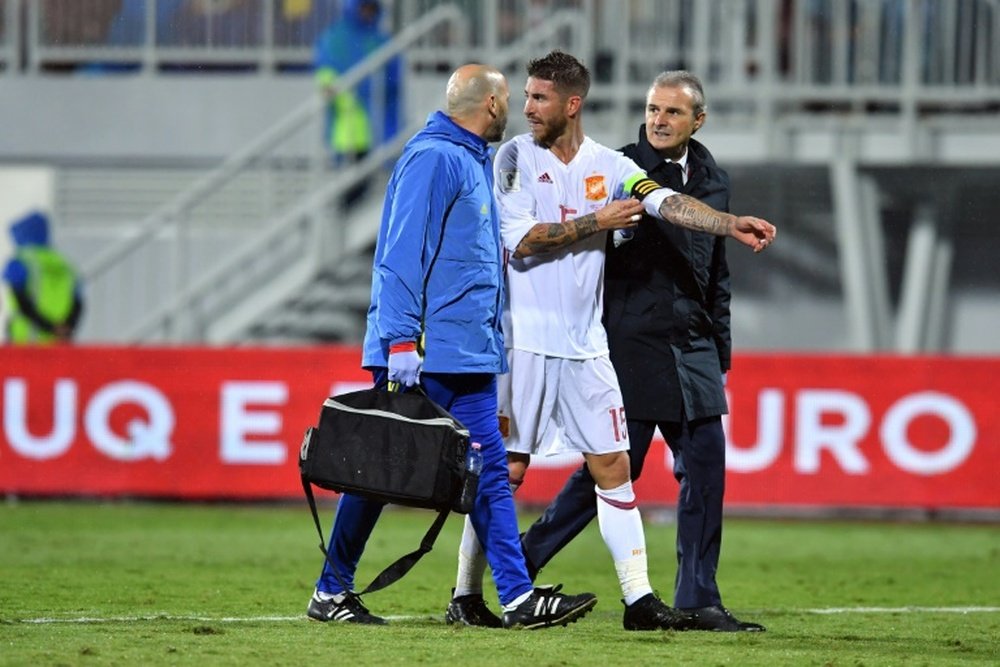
(201, 423)
(173, 422)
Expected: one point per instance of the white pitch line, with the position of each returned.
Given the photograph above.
(286, 619)
(905, 610)
(182, 617)
(160, 617)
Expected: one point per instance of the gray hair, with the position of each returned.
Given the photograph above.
(680, 78)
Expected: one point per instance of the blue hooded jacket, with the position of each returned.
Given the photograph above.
(31, 230)
(438, 268)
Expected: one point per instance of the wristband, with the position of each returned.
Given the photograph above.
(405, 346)
(653, 202)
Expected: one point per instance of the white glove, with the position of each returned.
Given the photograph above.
(404, 364)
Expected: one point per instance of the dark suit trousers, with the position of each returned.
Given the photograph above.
(699, 450)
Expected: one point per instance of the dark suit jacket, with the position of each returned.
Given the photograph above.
(667, 299)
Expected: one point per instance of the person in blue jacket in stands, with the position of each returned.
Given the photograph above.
(367, 115)
(434, 321)
(45, 291)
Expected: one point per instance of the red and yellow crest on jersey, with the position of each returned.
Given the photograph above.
(596, 190)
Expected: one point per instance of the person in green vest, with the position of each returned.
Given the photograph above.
(368, 115)
(46, 299)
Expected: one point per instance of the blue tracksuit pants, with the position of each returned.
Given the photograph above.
(472, 399)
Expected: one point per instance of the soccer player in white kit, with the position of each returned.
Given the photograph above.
(562, 387)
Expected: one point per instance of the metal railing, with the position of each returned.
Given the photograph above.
(147, 35)
(127, 266)
(760, 54)
(300, 241)
(8, 36)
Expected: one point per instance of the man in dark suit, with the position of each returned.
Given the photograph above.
(667, 317)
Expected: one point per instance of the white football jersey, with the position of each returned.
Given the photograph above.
(555, 300)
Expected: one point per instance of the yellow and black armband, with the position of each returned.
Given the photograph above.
(640, 185)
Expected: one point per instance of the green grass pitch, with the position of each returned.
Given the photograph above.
(188, 584)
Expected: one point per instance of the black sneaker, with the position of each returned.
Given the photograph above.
(546, 607)
(651, 613)
(471, 610)
(348, 610)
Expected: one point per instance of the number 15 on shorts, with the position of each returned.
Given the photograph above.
(618, 424)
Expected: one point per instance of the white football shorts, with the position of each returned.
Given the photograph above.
(550, 405)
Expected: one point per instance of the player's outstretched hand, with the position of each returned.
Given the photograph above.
(754, 232)
(620, 214)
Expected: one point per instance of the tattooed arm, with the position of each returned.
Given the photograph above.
(548, 236)
(691, 213)
(686, 211)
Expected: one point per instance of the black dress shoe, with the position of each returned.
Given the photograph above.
(718, 619)
(651, 613)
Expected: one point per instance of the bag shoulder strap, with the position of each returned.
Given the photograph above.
(393, 572)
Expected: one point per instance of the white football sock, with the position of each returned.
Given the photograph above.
(326, 597)
(471, 559)
(621, 528)
(471, 562)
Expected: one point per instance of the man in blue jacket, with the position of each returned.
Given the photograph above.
(434, 320)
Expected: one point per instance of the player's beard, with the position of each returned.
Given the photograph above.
(496, 129)
(546, 134)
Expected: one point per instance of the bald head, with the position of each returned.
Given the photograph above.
(470, 85)
(477, 98)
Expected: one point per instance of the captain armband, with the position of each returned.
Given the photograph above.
(642, 187)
